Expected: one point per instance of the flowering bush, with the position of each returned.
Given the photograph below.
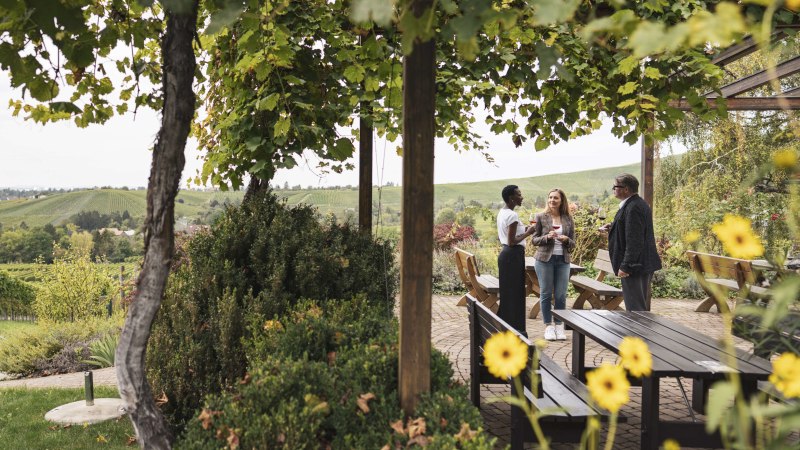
(448, 234)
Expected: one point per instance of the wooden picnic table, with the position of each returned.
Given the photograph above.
(532, 283)
(678, 351)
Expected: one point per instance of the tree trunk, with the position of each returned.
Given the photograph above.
(178, 68)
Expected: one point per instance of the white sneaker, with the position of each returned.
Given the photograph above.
(560, 335)
(550, 333)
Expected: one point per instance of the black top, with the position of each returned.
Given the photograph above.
(632, 241)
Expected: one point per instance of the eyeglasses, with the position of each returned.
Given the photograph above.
(617, 187)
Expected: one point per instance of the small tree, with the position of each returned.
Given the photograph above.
(73, 288)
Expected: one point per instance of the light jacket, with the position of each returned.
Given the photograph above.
(544, 224)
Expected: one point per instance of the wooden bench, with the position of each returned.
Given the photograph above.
(720, 274)
(598, 294)
(485, 288)
(783, 336)
(564, 397)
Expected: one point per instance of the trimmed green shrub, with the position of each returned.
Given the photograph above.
(53, 347)
(348, 400)
(15, 295)
(258, 260)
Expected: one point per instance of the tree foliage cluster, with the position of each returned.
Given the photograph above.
(73, 287)
(94, 220)
(256, 261)
(42, 244)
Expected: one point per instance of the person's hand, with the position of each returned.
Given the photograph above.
(563, 239)
(604, 228)
(623, 274)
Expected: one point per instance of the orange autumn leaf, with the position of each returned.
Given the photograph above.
(363, 401)
(416, 427)
(162, 400)
(398, 427)
(465, 434)
(206, 417)
(233, 440)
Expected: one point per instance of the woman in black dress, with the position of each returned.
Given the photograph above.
(511, 261)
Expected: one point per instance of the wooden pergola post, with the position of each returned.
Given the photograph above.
(416, 248)
(365, 170)
(648, 150)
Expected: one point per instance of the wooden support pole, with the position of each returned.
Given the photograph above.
(416, 248)
(648, 150)
(365, 170)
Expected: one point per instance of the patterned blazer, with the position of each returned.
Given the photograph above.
(544, 223)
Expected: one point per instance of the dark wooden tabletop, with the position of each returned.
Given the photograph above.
(677, 350)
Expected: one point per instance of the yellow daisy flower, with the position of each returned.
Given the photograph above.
(505, 355)
(786, 374)
(608, 387)
(635, 356)
(737, 237)
(794, 5)
(671, 444)
(785, 159)
(691, 237)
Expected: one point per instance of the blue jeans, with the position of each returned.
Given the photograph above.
(553, 278)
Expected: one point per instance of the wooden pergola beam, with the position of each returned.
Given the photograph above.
(744, 48)
(758, 79)
(751, 103)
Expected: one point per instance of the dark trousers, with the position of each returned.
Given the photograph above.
(636, 291)
(511, 265)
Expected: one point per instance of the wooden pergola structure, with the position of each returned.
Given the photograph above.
(416, 248)
(789, 99)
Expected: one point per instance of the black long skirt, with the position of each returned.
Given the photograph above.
(511, 265)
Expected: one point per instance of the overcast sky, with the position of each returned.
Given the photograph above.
(61, 155)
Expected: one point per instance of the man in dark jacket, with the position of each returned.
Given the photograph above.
(632, 244)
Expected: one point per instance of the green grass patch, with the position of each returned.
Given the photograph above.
(8, 327)
(22, 423)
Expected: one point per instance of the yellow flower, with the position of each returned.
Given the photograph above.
(785, 159)
(738, 238)
(786, 374)
(608, 387)
(691, 237)
(671, 444)
(794, 5)
(635, 356)
(505, 355)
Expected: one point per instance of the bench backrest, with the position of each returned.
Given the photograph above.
(603, 264)
(483, 324)
(465, 260)
(710, 265)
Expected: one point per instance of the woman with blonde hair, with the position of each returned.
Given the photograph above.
(554, 234)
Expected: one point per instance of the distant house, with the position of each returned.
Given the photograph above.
(117, 231)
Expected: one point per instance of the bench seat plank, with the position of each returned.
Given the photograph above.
(598, 287)
(489, 283)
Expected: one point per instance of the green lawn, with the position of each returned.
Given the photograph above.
(9, 326)
(22, 424)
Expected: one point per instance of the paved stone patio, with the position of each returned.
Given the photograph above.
(451, 336)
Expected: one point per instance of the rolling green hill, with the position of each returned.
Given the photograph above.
(57, 208)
